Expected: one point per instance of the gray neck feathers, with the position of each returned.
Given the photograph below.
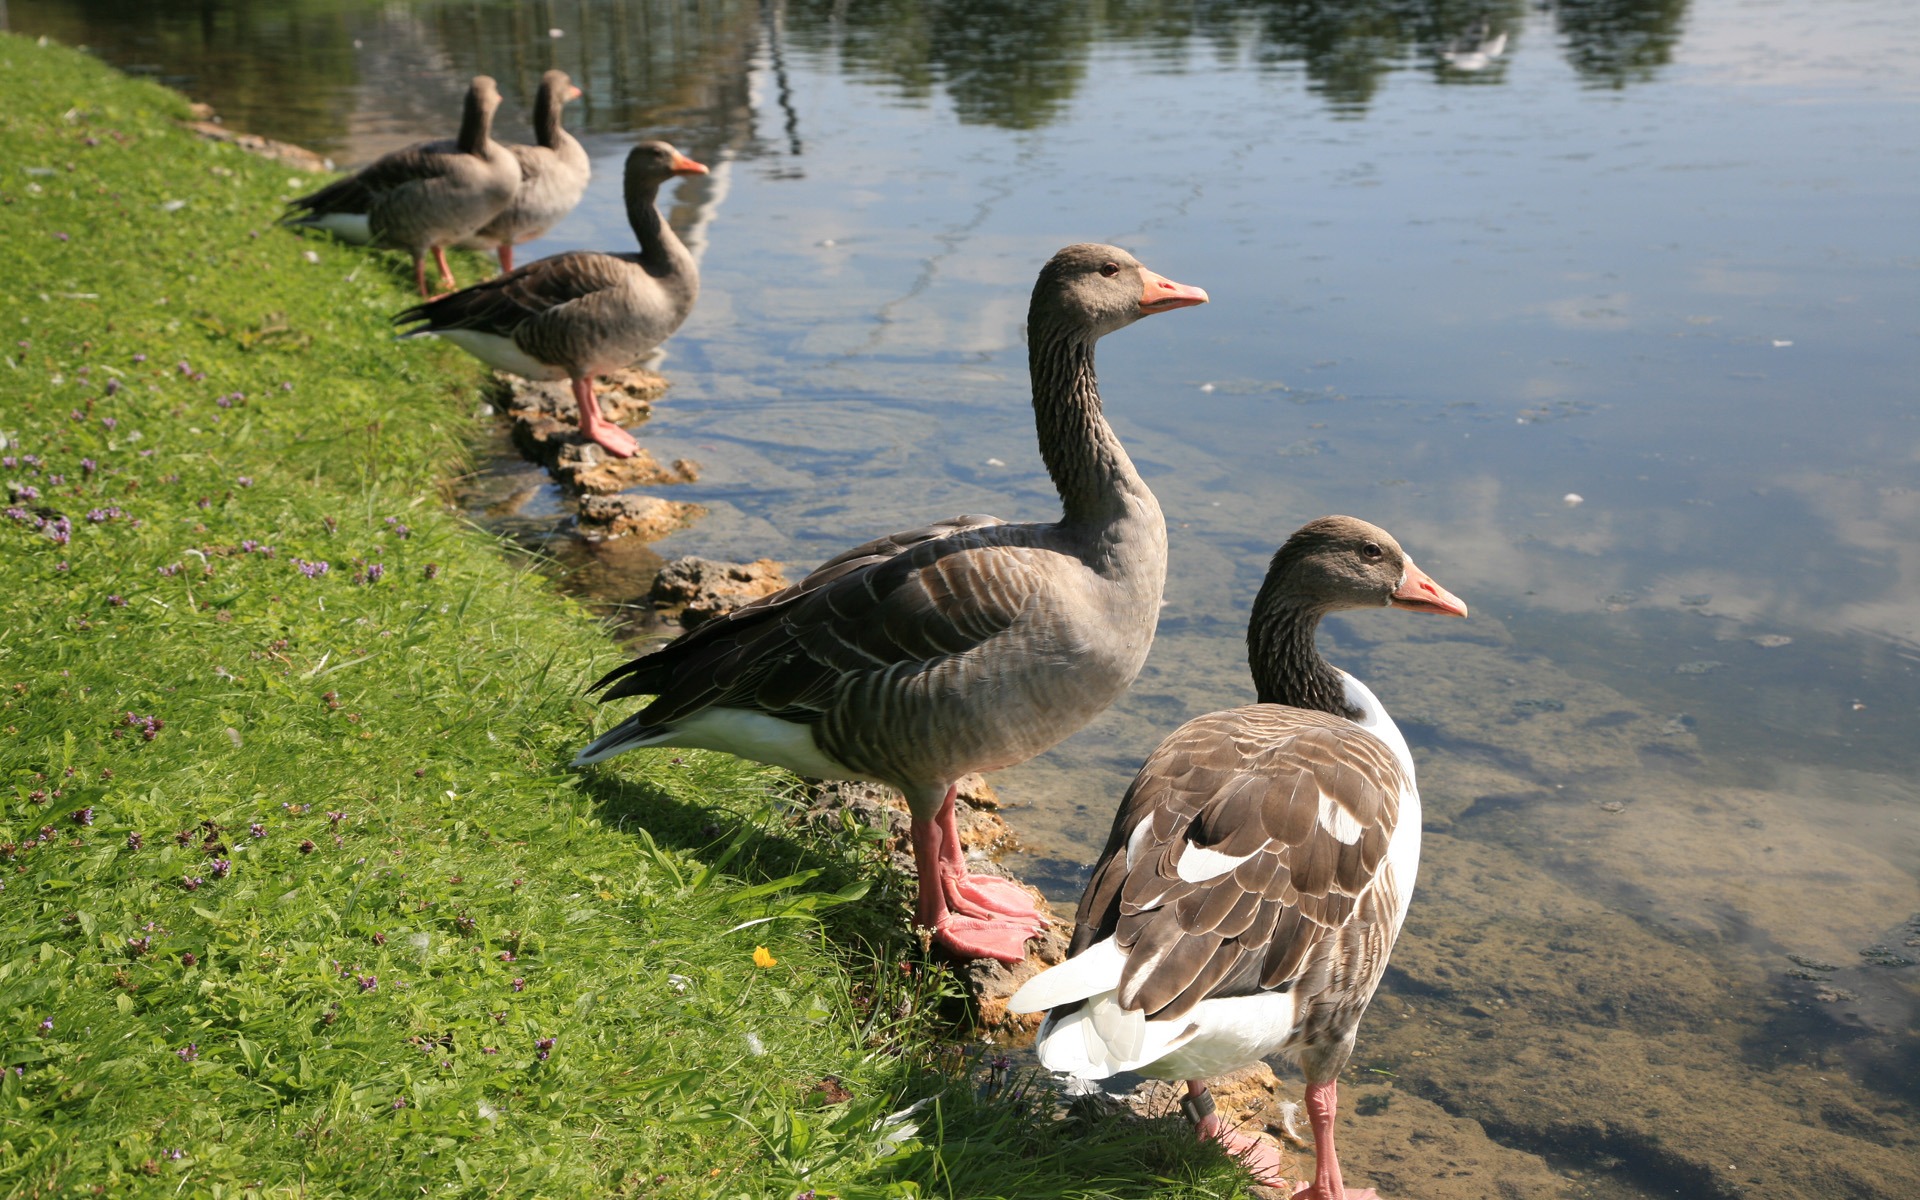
(476, 123)
(546, 118)
(1287, 667)
(661, 251)
(1086, 461)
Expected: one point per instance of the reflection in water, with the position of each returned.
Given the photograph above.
(1617, 42)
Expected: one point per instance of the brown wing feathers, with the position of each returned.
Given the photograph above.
(907, 598)
(1246, 783)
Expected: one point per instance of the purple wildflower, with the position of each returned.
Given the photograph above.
(399, 1102)
(117, 601)
(257, 829)
(335, 816)
(306, 846)
(59, 237)
(220, 868)
(433, 571)
(187, 1053)
(192, 883)
(544, 1048)
(519, 985)
(369, 983)
(245, 481)
(97, 515)
(83, 816)
(203, 502)
(312, 570)
(224, 401)
(184, 367)
(507, 956)
(56, 480)
(170, 571)
(286, 387)
(24, 491)
(374, 573)
(110, 422)
(136, 946)
(177, 1155)
(18, 514)
(76, 415)
(139, 358)
(135, 841)
(46, 1027)
(189, 959)
(113, 385)
(10, 462)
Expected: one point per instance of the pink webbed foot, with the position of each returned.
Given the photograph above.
(973, 937)
(613, 439)
(988, 896)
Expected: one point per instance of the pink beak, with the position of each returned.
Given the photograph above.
(1420, 593)
(1160, 294)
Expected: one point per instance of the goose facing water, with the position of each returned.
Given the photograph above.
(968, 645)
(1259, 868)
(583, 313)
(425, 197)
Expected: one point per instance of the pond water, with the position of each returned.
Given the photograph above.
(1604, 307)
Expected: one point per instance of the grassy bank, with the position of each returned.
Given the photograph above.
(299, 897)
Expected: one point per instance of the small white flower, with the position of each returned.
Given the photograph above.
(755, 1046)
(679, 983)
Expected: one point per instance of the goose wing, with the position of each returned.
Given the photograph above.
(1248, 844)
(900, 601)
(418, 163)
(503, 304)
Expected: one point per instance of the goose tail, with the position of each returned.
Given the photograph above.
(630, 734)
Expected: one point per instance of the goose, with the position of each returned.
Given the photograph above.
(968, 645)
(425, 197)
(583, 313)
(1259, 867)
(553, 176)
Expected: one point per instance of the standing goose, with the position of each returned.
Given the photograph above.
(425, 197)
(582, 313)
(553, 175)
(968, 645)
(1259, 868)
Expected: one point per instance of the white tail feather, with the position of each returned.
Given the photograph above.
(1095, 969)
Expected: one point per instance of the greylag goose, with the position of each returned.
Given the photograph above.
(425, 197)
(1259, 867)
(969, 645)
(553, 176)
(582, 313)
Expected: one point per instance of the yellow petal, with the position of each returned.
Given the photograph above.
(763, 959)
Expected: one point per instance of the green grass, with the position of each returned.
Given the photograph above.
(338, 920)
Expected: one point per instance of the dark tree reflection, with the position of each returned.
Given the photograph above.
(1617, 42)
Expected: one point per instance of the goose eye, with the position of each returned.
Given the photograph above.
(1110, 269)
(1371, 550)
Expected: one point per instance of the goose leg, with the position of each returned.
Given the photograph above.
(984, 896)
(506, 258)
(1262, 1159)
(959, 934)
(420, 275)
(446, 272)
(1323, 1100)
(610, 437)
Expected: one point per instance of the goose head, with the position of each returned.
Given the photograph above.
(654, 163)
(1343, 562)
(1103, 288)
(483, 96)
(559, 85)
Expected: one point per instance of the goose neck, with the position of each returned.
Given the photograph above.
(1089, 467)
(1287, 666)
(661, 251)
(476, 125)
(546, 118)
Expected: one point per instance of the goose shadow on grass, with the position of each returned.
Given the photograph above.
(987, 1119)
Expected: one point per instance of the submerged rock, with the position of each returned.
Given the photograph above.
(703, 589)
(626, 397)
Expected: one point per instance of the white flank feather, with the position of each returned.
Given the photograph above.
(348, 227)
(497, 351)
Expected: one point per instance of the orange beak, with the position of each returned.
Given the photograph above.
(1160, 294)
(574, 93)
(1420, 593)
(682, 165)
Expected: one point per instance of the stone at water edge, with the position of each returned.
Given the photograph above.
(626, 397)
(583, 466)
(703, 589)
(648, 518)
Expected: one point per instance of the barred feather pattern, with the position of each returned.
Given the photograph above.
(1300, 806)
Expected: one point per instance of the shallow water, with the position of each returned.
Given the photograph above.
(1656, 255)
